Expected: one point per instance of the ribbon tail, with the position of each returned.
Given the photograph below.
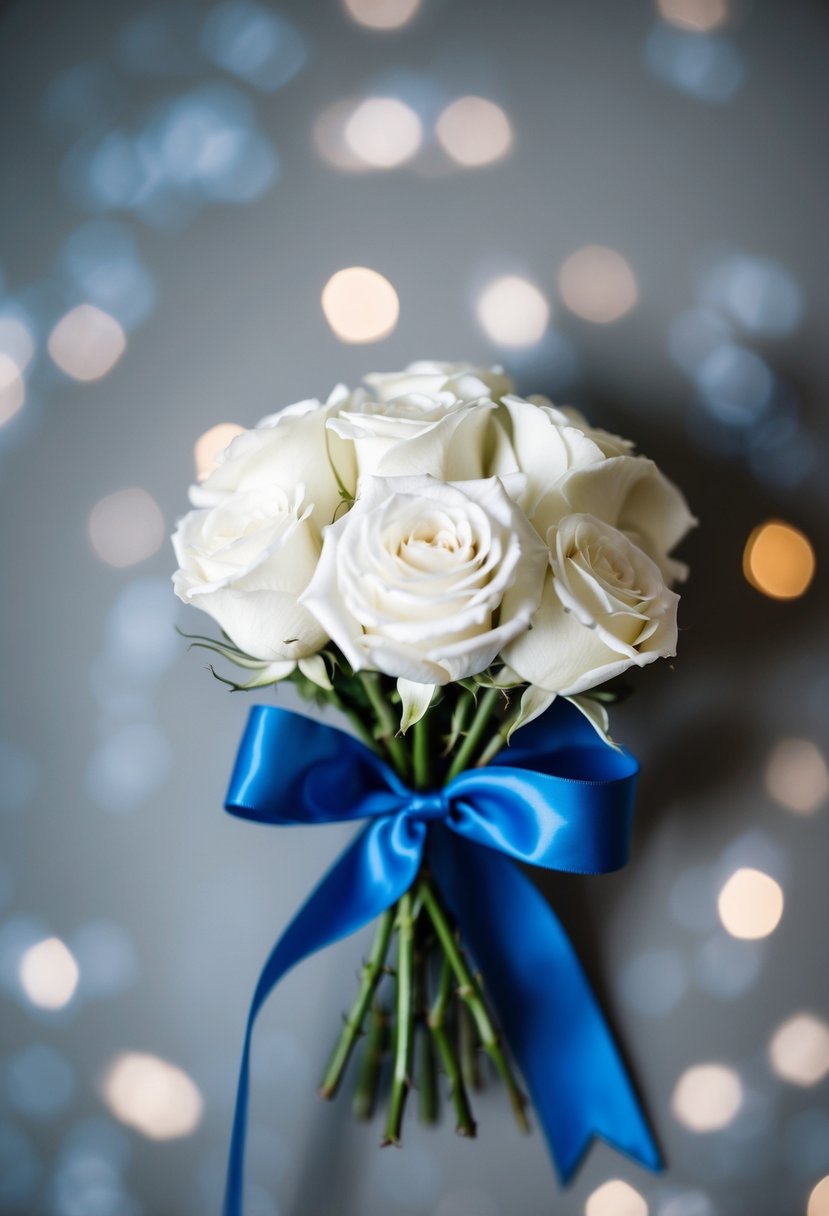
(374, 871)
(552, 1021)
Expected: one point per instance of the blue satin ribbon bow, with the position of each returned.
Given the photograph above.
(560, 799)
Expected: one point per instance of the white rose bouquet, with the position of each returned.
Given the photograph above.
(442, 561)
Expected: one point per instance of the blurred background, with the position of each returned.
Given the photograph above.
(213, 209)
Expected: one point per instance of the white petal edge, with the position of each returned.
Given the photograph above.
(415, 699)
(534, 701)
(596, 715)
(314, 669)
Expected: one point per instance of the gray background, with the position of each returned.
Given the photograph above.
(681, 151)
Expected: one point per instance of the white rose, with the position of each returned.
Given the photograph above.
(605, 608)
(610, 444)
(288, 449)
(631, 494)
(572, 468)
(462, 380)
(418, 434)
(545, 445)
(425, 580)
(245, 563)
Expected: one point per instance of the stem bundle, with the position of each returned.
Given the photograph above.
(437, 1017)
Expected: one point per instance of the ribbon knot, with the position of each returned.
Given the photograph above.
(429, 806)
(561, 799)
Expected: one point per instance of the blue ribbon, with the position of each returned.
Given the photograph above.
(561, 799)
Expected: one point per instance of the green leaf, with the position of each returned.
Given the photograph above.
(267, 673)
(201, 637)
(233, 656)
(500, 677)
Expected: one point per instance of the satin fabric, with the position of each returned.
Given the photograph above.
(560, 799)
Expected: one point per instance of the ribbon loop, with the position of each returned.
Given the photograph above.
(563, 800)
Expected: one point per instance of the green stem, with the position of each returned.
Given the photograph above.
(464, 1122)
(404, 1028)
(469, 992)
(468, 1046)
(388, 727)
(365, 1094)
(495, 745)
(464, 704)
(427, 1067)
(467, 749)
(353, 1022)
(500, 739)
(421, 760)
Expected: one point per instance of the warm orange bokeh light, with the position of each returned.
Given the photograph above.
(779, 560)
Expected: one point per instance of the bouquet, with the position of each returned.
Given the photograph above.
(459, 572)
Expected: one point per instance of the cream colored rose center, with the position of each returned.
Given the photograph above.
(436, 544)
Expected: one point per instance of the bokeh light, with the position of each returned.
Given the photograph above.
(199, 146)
(254, 43)
(819, 1199)
(797, 775)
(598, 284)
(49, 974)
(382, 14)
(709, 68)
(799, 1050)
(16, 340)
(474, 132)
(779, 560)
(209, 445)
(158, 1099)
(126, 527)
(513, 311)
(360, 305)
(750, 904)
(707, 1097)
(735, 384)
(87, 343)
(615, 1198)
(383, 132)
(759, 293)
(699, 15)
(12, 388)
(329, 137)
(102, 264)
